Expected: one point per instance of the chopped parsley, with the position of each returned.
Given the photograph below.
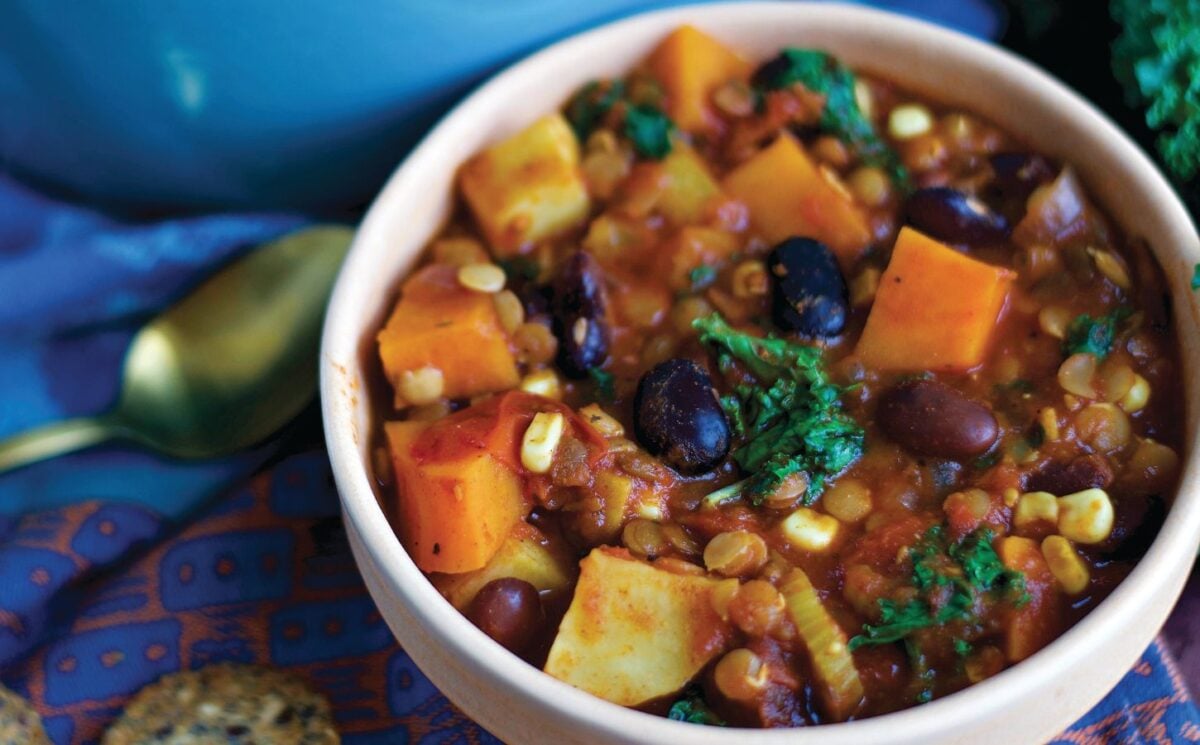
(1196, 277)
(1094, 336)
(604, 383)
(841, 116)
(702, 276)
(649, 129)
(693, 709)
(791, 419)
(969, 570)
(588, 107)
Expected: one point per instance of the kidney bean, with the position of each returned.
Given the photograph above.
(809, 293)
(677, 417)
(1059, 478)
(930, 418)
(509, 610)
(1018, 174)
(579, 321)
(950, 215)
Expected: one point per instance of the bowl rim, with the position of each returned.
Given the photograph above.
(1176, 541)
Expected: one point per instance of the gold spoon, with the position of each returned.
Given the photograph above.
(221, 369)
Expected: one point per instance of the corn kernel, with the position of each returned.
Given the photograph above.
(420, 387)
(1138, 395)
(481, 277)
(542, 383)
(602, 421)
(909, 120)
(541, 440)
(1035, 507)
(1048, 418)
(1011, 496)
(809, 530)
(1066, 565)
(864, 98)
(1086, 516)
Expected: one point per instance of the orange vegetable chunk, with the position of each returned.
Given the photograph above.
(788, 195)
(690, 65)
(439, 323)
(459, 487)
(1035, 624)
(935, 308)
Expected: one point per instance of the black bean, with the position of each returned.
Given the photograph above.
(950, 215)
(930, 418)
(579, 315)
(510, 611)
(1018, 174)
(676, 416)
(809, 293)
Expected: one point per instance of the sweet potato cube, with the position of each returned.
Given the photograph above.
(528, 187)
(438, 323)
(935, 308)
(1036, 623)
(690, 248)
(690, 65)
(635, 632)
(526, 554)
(455, 510)
(788, 195)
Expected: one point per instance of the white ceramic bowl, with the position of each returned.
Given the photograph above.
(1028, 703)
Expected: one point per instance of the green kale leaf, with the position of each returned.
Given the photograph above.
(588, 107)
(649, 129)
(791, 419)
(821, 73)
(1094, 336)
(693, 708)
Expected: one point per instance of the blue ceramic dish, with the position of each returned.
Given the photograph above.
(263, 103)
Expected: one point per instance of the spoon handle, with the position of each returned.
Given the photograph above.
(54, 439)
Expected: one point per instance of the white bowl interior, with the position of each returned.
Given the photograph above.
(519, 703)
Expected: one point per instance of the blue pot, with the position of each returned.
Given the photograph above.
(163, 104)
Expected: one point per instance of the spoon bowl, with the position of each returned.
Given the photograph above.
(221, 369)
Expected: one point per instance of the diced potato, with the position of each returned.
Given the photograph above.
(690, 65)
(455, 509)
(1036, 623)
(839, 685)
(787, 195)
(690, 188)
(526, 554)
(635, 632)
(692, 247)
(441, 325)
(528, 187)
(935, 308)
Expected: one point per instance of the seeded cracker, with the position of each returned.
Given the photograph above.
(19, 723)
(223, 704)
